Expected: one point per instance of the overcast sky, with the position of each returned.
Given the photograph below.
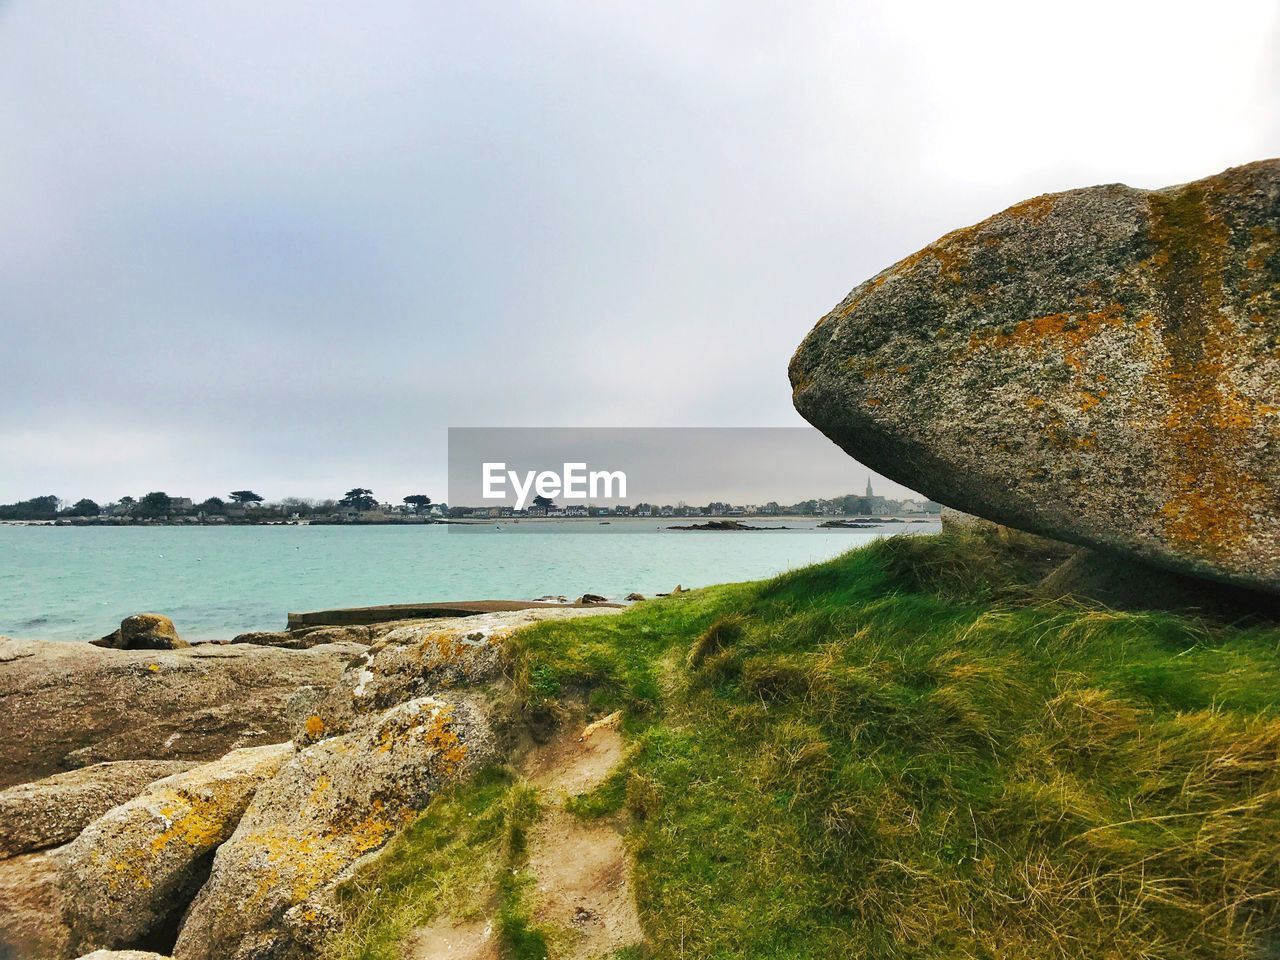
(286, 245)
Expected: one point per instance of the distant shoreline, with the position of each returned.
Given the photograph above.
(469, 522)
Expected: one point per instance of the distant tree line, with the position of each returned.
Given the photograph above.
(158, 505)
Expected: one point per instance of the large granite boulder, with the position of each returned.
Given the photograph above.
(53, 811)
(334, 803)
(131, 871)
(1100, 366)
(144, 631)
(192, 704)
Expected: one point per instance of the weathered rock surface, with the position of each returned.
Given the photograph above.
(333, 803)
(53, 811)
(419, 658)
(1100, 366)
(130, 870)
(144, 631)
(122, 955)
(31, 907)
(307, 637)
(195, 704)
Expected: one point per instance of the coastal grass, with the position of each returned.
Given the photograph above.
(459, 860)
(901, 753)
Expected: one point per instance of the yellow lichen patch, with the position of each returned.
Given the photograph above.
(370, 832)
(443, 648)
(1034, 402)
(127, 873)
(315, 726)
(321, 787)
(298, 862)
(197, 821)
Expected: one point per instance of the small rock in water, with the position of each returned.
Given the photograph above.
(143, 631)
(589, 598)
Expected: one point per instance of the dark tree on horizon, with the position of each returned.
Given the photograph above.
(37, 508)
(156, 503)
(246, 496)
(84, 508)
(418, 501)
(213, 505)
(546, 503)
(359, 498)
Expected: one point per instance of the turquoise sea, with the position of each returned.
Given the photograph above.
(76, 583)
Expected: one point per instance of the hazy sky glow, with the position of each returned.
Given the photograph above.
(286, 245)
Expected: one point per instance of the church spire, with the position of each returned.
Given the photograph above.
(869, 493)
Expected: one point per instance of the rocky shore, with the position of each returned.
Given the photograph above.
(204, 801)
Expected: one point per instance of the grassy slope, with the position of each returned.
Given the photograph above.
(892, 755)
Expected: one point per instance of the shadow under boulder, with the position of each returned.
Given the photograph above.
(1126, 584)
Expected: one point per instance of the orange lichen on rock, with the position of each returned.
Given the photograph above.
(1089, 400)
(440, 735)
(1066, 332)
(1212, 501)
(1035, 209)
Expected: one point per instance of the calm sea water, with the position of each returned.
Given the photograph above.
(76, 583)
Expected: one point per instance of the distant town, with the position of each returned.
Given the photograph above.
(360, 506)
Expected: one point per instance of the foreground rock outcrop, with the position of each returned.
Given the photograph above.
(53, 811)
(241, 856)
(130, 871)
(1100, 366)
(95, 705)
(335, 802)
